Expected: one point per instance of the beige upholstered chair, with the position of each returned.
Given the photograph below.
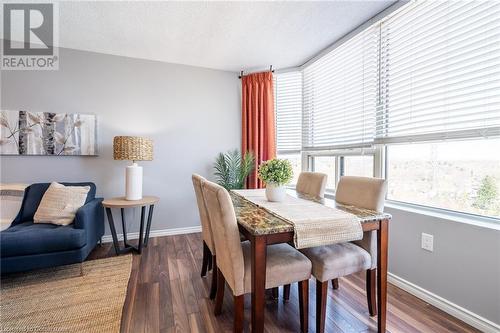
(284, 263)
(312, 183)
(334, 261)
(209, 256)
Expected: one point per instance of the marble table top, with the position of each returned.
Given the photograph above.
(259, 221)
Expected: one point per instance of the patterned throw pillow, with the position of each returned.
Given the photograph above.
(60, 203)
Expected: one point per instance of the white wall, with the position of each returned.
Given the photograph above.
(464, 267)
(191, 114)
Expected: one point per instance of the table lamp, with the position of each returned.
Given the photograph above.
(133, 148)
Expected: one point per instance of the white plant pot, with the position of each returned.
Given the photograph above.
(275, 193)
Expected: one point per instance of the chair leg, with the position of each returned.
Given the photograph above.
(335, 284)
(210, 260)
(286, 293)
(371, 278)
(206, 256)
(303, 304)
(275, 292)
(239, 302)
(321, 295)
(213, 287)
(219, 297)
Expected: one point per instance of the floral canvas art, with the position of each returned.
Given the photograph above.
(47, 133)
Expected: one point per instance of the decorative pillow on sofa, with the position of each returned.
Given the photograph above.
(60, 203)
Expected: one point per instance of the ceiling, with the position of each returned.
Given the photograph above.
(230, 36)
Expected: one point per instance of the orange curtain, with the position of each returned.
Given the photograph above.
(258, 122)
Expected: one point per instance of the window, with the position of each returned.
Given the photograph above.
(326, 165)
(295, 160)
(421, 85)
(288, 106)
(463, 176)
(343, 162)
(340, 95)
(362, 166)
(440, 72)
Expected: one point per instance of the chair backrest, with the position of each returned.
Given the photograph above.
(206, 231)
(312, 183)
(226, 235)
(33, 195)
(363, 192)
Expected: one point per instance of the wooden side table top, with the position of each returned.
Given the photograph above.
(120, 202)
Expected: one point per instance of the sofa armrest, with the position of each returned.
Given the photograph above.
(91, 218)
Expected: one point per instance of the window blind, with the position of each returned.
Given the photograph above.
(340, 95)
(440, 72)
(288, 106)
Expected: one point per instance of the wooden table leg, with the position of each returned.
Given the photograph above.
(382, 246)
(259, 254)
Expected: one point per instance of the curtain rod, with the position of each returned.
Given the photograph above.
(270, 69)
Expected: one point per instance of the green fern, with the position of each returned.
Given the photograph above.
(231, 169)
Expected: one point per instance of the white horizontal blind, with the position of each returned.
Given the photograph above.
(340, 95)
(440, 72)
(288, 106)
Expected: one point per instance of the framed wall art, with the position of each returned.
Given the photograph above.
(47, 133)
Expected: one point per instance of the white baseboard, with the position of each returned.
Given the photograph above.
(155, 233)
(453, 309)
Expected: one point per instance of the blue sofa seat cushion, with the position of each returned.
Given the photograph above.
(35, 238)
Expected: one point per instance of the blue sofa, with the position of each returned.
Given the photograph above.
(26, 245)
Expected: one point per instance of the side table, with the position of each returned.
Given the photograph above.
(122, 204)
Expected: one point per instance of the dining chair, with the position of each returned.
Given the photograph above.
(312, 184)
(338, 260)
(209, 254)
(284, 264)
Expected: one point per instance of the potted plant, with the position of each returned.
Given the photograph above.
(231, 169)
(276, 174)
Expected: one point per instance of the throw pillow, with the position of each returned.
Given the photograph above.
(60, 203)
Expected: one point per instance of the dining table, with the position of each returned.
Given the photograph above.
(263, 227)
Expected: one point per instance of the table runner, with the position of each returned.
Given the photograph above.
(314, 224)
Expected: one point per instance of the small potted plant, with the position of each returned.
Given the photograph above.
(276, 174)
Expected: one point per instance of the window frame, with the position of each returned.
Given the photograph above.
(377, 153)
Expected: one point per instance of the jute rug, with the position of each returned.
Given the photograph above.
(61, 300)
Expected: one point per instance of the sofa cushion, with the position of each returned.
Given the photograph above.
(34, 193)
(60, 203)
(33, 238)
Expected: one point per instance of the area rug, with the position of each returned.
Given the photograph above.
(63, 300)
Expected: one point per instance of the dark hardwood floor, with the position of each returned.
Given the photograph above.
(167, 294)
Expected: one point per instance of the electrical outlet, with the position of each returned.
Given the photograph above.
(428, 242)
